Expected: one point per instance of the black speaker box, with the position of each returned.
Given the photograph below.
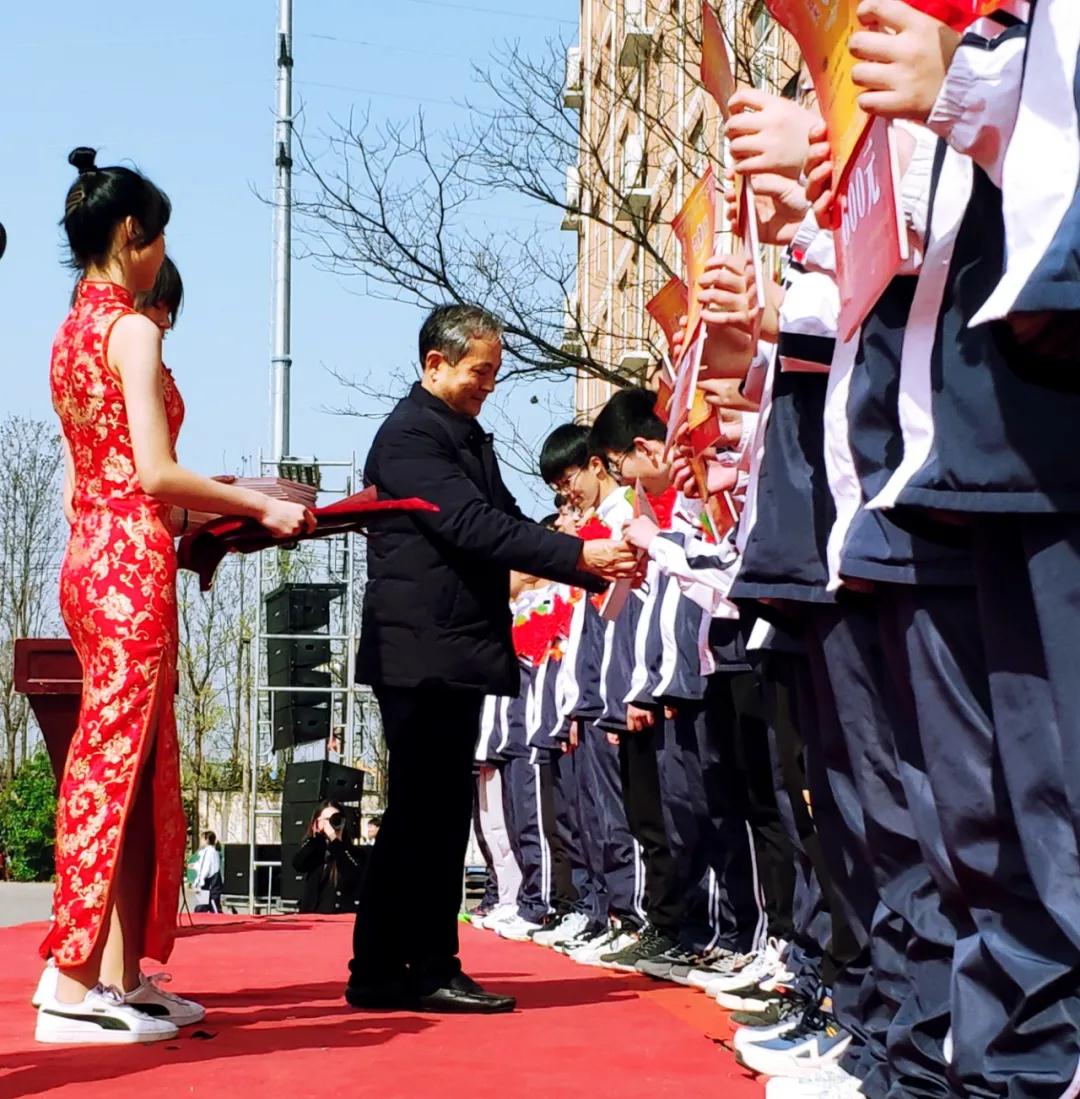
(296, 816)
(301, 608)
(292, 881)
(321, 780)
(294, 663)
(300, 718)
(237, 869)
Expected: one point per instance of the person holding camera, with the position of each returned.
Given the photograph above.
(328, 861)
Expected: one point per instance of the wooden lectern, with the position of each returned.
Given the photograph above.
(48, 672)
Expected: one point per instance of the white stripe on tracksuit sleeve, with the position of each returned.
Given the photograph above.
(703, 570)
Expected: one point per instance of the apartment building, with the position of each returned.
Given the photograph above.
(648, 132)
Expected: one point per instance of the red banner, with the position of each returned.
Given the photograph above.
(669, 306)
(822, 28)
(958, 14)
(685, 391)
(871, 242)
(716, 74)
(695, 228)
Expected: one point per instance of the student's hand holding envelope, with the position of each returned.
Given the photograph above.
(780, 203)
(903, 55)
(768, 133)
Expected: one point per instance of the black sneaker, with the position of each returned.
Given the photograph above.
(773, 1013)
(663, 966)
(650, 944)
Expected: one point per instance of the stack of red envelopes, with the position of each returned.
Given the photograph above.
(202, 550)
(280, 488)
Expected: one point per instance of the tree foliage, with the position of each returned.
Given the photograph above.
(32, 533)
(28, 820)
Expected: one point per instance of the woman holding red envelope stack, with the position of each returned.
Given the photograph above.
(120, 830)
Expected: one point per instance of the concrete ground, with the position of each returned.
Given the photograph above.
(30, 902)
(24, 902)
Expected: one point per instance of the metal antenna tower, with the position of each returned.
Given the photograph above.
(281, 320)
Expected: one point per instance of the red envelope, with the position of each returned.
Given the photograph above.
(203, 550)
(958, 14)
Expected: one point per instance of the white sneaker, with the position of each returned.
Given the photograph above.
(758, 997)
(816, 1042)
(101, 1019)
(46, 986)
(518, 929)
(151, 999)
(729, 963)
(586, 939)
(766, 965)
(614, 942)
(748, 1035)
(497, 915)
(569, 927)
(830, 1083)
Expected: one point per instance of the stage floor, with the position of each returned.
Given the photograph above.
(277, 1026)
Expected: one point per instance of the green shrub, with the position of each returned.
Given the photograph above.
(28, 820)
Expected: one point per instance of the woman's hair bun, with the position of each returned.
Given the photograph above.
(82, 159)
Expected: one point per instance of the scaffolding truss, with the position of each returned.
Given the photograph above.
(355, 730)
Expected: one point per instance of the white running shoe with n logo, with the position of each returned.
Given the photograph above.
(101, 1018)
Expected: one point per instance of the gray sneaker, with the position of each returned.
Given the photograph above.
(700, 963)
(662, 967)
(729, 962)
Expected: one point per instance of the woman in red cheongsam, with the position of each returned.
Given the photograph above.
(120, 829)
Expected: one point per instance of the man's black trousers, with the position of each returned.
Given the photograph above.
(409, 905)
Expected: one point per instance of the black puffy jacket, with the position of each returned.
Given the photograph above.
(436, 608)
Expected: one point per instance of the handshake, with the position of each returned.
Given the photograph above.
(610, 559)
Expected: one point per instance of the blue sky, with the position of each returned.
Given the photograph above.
(186, 92)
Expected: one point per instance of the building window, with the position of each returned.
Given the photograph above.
(625, 314)
(699, 152)
(761, 22)
(762, 53)
(602, 65)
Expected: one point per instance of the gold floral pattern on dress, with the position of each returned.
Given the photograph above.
(118, 599)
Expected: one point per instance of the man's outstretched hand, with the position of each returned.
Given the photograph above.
(609, 559)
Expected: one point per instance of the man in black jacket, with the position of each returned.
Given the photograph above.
(435, 639)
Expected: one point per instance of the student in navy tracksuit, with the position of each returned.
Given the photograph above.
(635, 724)
(876, 771)
(704, 797)
(697, 723)
(520, 800)
(575, 893)
(783, 573)
(849, 750)
(704, 822)
(855, 657)
(612, 855)
(490, 815)
(546, 886)
(987, 449)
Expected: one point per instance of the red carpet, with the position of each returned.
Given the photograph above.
(277, 1026)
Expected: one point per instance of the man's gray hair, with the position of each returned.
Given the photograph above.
(449, 328)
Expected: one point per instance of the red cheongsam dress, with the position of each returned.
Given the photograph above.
(118, 599)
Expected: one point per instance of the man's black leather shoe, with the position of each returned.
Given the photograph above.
(463, 996)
